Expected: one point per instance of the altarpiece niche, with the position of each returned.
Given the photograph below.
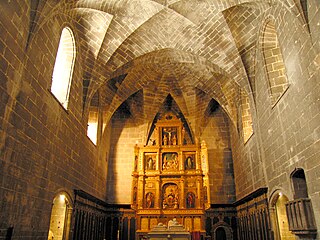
(170, 178)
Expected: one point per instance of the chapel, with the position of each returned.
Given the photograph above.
(160, 119)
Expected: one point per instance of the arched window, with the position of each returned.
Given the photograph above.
(276, 71)
(299, 184)
(63, 67)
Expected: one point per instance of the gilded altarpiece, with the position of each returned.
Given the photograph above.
(170, 178)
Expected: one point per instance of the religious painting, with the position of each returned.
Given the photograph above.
(170, 196)
(149, 200)
(150, 161)
(169, 136)
(190, 200)
(189, 161)
(170, 161)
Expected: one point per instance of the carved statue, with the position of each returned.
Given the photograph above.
(165, 140)
(174, 140)
(150, 164)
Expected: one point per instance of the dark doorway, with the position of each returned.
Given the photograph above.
(221, 234)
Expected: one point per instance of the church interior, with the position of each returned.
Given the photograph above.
(118, 117)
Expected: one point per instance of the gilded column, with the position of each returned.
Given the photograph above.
(181, 161)
(182, 194)
(199, 191)
(205, 169)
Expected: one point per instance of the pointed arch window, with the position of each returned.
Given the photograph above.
(63, 67)
(275, 67)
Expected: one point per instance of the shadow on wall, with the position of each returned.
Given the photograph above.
(121, 119)
(222, 175)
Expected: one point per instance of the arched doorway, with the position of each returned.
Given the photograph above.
(279, 217)
(221, 231)
(60, 218)
(221, 234)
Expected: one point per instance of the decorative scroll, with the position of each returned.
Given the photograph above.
(204, 156)
(205, 195)
(134, 195)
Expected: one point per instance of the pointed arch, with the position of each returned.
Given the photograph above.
(61, 214)
(170, 105)
(274, 64)
(299, 184)
(278, 215)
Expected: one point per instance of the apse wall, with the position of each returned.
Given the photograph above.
(126, 133)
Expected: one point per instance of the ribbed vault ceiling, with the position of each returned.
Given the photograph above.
(160, 47)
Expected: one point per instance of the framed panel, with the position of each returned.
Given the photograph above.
(169, 136)
(170, 196)
(170, 161)
(150, 161)
(150, 196)
(189, 161)
(190, 200)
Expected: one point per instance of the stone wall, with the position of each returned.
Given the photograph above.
(125, 134)
(43, 147)
(286, 134)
